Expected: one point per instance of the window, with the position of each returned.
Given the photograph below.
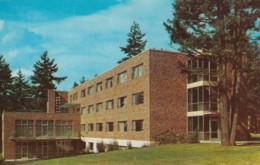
(109, 126)
(63, 128)
(71, 99)
(90, 90)
(82, 127)
(24, 128)
(90, 108)
(99, 87)
(83, 93)
(138, 98)
(137, 71)
(90, 127)
(137, 125)
(121, 102)
(83, 110)
(122, 77)
(44, 128)
(99, 107)
(122, 126)
(75, 96)
(109, 105)
(109, 83)
(99, 127)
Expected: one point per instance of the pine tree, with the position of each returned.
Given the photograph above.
(44, 79)
(5, 85)
(83, 79)
(21, 93)
(224, 29)
(135, 43)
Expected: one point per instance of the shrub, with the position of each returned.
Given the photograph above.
(101, 147)
(192, 137)
(166, 137)
(129, 145)
(113, 147)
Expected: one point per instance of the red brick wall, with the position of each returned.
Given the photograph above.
(8, 148)
(167, 93)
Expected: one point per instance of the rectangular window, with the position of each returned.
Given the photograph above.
(71, 99)
(121, 102)
(109, 83)
(109, 105)
(82, 127)
(99, 107)
(83, 93)
(99, 87)
(137, 125)
(44, 128)
(63, 128)
(109, 126)
(90, 109)
(75, 96)
(24, 128)
(90, 127)
(122, 126)
(90, 90)
(83, 111)
(138, 98)
(122, 77)
(99, 127)
(137, 71)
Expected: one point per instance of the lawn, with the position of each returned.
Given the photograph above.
(183, 154)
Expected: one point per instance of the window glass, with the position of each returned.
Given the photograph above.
(121, 102)
(122, 77)
(138, 98)
(137, 71)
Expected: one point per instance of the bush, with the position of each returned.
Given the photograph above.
(113, 147)
(101, 147)
(192, 137)
(166, 137)
(129, 145)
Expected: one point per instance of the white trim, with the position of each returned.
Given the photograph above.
(201, 83)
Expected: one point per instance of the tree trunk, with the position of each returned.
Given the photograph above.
(224, 124)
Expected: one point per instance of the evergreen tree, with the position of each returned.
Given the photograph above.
(223, 29)
(83, 79)
(44, 79)
(21, 93)
(135, 43)
(75, 84)
(5, 85)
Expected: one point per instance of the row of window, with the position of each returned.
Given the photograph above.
(137, 126)
(137, 98)
(137, 71)
(24, 128)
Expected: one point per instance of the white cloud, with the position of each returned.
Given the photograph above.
(88, 45)
(26, 72)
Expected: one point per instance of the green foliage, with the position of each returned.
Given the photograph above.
(5, 85)
(135, 42)
(227, 32)
(101, 147)
(21, 93)
(113, 147)
(44, 78)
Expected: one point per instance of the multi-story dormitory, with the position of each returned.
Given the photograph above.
(134, 101)
(129, 104)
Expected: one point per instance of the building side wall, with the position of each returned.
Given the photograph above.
(129, 113)
(9, 118)
(167, 93)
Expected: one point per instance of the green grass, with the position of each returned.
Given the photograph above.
(183, 154)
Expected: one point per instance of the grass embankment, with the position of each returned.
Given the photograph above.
(183, 154)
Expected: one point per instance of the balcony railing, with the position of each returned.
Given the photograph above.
(201, 106)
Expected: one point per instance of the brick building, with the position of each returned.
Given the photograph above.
(37, 135)
(134, 101)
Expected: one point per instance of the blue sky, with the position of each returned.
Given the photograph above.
(83, 36)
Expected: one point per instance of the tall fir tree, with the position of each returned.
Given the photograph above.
(135, 43)
(44, 79)
(5, 85)
(223, 29)
(21, 93)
